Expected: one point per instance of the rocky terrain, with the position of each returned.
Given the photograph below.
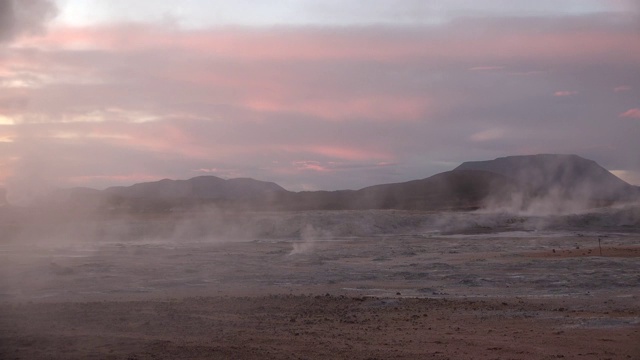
(340, 284)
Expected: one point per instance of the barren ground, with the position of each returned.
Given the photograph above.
(357, 285)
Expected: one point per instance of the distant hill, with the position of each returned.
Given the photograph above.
(459, 189)
(201, 187)
(451, 190)
(167, 194)
(560, 182)
(563, 177)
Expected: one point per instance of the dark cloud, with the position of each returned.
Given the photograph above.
(18, 17)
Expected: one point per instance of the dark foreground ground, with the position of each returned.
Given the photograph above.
(321, 327)
(345, 285)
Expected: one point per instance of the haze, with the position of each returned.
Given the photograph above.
(154, 157)
(308, 94)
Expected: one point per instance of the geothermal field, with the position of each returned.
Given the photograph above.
(319, 179)
(357, 284)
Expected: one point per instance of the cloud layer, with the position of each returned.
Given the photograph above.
(313, 107)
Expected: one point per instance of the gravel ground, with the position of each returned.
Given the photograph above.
(357, 285)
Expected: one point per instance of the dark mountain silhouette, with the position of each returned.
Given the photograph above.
(560, 176)
(201, 187)
(472, 185)
(449, 190)
(452, 190)
(168, 194)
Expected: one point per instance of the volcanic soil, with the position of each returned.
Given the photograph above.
(351, 285)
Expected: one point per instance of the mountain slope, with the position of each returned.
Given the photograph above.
(201, 188)
(560, 176)
(458, 189)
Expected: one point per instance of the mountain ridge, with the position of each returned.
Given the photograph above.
(556, 174)
(514, 181)
(201, 187)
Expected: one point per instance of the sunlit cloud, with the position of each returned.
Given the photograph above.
(565, 93)
(631, 113)
(631, 177)
(346, 153)
(340, 152)
(622, 88)
(5, 120)
(333, 166)
(310, 165)
(315, 43)
(18, 82)
(203, 170)
(221, 172)
(204, 14)
(489, 135)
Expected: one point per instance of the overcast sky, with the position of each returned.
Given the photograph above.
(311, 94)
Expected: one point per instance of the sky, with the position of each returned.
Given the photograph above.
(310, 94)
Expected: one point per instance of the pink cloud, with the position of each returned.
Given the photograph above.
(257, 87)
(486, 68)
(366, 43)
(6, 171)
(117, 37)
(245, 67)
(489, 135)
(339, 153)
(374, 107)
(631, 113)
(348, 153)
(622, 88)
(238, 43)
(162, 137)
(244, 97)
(210, 170)
(565, 93)
(310, 165)
(7, 134)
(224, 172)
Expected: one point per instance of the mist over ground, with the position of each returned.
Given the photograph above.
(518, 198)
(62, 248)
(83, 270)
(325, 186)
